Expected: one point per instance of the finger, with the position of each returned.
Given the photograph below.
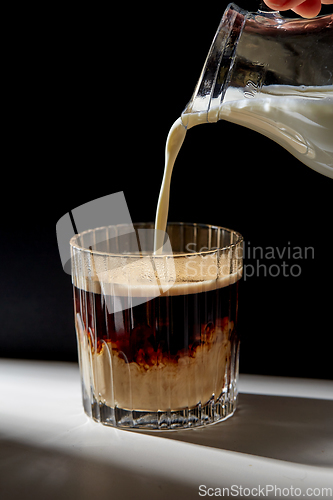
(282, 4)
(326, 2)
(293, 4)
(309, 8)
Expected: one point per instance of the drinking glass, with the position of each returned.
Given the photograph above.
(157, 333)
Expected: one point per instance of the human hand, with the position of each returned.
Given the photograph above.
(307, 8)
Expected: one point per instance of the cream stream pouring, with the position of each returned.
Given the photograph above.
(311, 118)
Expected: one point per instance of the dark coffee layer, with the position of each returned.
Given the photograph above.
(162, 329)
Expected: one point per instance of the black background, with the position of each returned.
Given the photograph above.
(94, 96)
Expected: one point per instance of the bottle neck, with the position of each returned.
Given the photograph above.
(214, 78)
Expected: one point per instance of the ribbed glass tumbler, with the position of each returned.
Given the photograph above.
(157, 332)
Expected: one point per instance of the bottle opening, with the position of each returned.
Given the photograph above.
(213, 81)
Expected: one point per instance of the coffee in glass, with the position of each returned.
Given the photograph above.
(157, 333)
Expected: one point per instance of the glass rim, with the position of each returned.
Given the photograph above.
(73, 241)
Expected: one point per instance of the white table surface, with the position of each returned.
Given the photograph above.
(280, 440)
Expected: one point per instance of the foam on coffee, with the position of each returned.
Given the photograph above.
(118, 284)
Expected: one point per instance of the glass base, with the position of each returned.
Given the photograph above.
(198, 416)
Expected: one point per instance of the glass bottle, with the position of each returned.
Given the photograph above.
(273, 75)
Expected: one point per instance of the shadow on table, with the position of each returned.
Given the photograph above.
(40, 473)
(293, 429)
(285, 428)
